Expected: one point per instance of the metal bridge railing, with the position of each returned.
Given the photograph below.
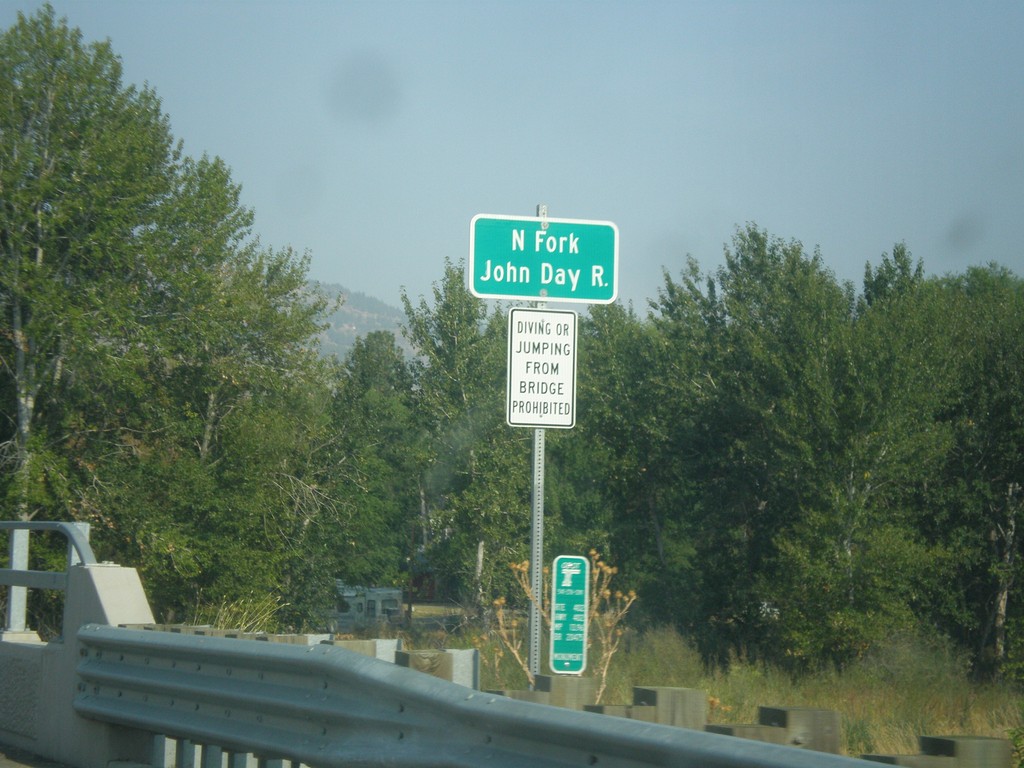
(19, 579)
(327, 707)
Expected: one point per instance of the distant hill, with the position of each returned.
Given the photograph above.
(358, 315)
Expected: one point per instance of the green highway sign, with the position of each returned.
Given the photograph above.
(541, 259)
(570, 606)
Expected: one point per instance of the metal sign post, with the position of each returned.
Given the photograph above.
(541, 259)
(541, 392)
(536, 551)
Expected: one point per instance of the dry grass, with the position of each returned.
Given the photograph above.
(255, 613)
(914, 687)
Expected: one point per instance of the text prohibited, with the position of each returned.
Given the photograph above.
(541, 389)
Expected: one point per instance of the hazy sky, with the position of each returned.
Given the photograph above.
(370, 133)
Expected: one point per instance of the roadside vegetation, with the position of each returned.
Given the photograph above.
(909, 687)
(812, 491)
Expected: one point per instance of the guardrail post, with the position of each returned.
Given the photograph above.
(17, 597)
(158, 752)
(185, 756)
(211, 756)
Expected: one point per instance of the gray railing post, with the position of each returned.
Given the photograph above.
(17, 597)
(73, 557)
(19, 579)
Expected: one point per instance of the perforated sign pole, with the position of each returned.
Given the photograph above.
(538, 259)
(536, 550)
(541, 392)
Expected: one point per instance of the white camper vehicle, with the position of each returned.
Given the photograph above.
(362, 607)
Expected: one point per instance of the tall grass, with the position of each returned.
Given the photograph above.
(254, 613)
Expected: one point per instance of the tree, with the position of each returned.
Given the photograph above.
(622, 487)
(860, 561)
(160, 365)
(85, 164)
(803, 436)
(374, 461)
(474, 483)
(766, 334)
(981, 496)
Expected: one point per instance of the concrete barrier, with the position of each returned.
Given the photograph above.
(682, 707)
(816, 729)
(456, 666)
(568, 691)
(954, 752)
(40, 706)
(385, 650)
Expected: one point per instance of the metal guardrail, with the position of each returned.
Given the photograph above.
(79, 551)
(19, 578)
(328, 707)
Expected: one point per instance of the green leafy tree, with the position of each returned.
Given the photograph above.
(474, 482)
(859, 562)
(980, 501)
(160, 366)
(85, 165)
(618, 467)
(803, 435)
(766, 329)
(374, 461)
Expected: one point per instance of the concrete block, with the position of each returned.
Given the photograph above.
(461, 666)
(23, 636)
(642, 712)
(211, 632)
(211, 756)
(568, 691)
(973, 751)
(682, 707)
(384, 650)
(537, 697)
(765, 733)
(465, 667)
(817, 729)
(296, 639)
(913, 761)
(436, 663)
(104, 594)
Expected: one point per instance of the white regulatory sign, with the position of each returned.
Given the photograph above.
(541, 388)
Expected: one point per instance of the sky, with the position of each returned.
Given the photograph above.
(368, 134)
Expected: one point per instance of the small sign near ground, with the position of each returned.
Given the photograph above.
(570, 606)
